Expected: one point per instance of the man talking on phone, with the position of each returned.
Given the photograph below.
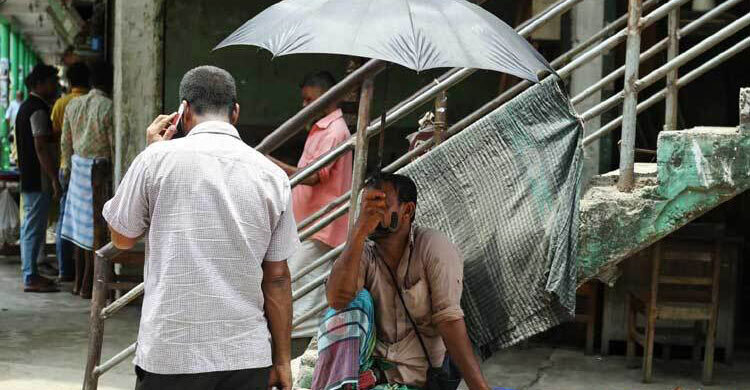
(218, 216)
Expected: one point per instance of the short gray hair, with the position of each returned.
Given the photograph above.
(209, 90)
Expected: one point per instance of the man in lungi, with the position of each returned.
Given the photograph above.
(88, 139)
(78, 80)
(395, 297)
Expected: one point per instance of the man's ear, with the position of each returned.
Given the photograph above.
(187, 116)
(188, 111)
(410, 210)
(234, 117)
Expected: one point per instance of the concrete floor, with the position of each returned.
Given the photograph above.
(545, 368)
(44, 337)
(43, 341)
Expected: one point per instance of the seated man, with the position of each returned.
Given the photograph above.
(385, 247)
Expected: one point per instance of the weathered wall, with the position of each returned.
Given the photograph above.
(587, 19)
(696, 170)
(137, 58)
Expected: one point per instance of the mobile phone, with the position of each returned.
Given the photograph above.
(177, 120)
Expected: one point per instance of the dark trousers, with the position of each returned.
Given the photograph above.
(63, 247)
(250, 379)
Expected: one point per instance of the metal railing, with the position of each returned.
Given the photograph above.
(641, 14)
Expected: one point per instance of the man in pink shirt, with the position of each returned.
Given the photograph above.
(314, 193)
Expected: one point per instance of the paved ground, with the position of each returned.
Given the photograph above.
(43, 340)
(544, 368)
(43, 337)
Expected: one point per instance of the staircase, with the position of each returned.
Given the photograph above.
(696, 170)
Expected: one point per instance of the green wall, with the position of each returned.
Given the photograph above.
(268, 87)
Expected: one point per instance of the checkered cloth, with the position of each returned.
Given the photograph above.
(78, 221)
(506, 191)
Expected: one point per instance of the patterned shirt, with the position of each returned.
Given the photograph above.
(214, 209)
(58, 110)
(88, 128)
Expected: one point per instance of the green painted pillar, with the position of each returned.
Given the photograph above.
(27, 65)
(5, 96)
(21, 64)
(13, 65)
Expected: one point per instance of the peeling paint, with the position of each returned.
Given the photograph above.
(696, 170)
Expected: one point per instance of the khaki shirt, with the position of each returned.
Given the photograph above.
(431, 281)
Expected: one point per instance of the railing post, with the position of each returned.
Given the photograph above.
(361, 146)
(629, 109)
(673, 50)
(102, 276)
(440, 122)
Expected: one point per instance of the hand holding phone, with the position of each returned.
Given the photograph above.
(162, 128)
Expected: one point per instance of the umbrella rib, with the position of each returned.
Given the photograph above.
(413, 35)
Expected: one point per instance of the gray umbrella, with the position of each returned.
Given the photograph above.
(418, 34)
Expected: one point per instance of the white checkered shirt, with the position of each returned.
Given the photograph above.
(214, 209)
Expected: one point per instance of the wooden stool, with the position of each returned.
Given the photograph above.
(684, 286)
(586, 313)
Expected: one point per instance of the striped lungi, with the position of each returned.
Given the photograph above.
(78, 221)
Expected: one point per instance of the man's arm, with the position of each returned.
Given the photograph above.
(44, 153)
(42, 132)
(461, 352)
(343, 283)
(66, 143)
(310, 180)
(47, 162)
(127, 213)
(109, 128)
(277, 291)
(121, 241)
(277, 295)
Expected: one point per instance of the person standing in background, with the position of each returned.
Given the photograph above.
(38, 170)
(313, 193)
(78, 80)
(10, 120)
(12, 110)
(88, 138)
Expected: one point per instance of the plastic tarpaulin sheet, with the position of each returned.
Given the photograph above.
(9, 222)
(506, 191)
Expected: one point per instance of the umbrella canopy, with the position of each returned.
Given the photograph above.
(418, 34)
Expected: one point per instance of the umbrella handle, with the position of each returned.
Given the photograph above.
(381, 140)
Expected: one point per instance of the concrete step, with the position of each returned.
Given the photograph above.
(696, 170)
